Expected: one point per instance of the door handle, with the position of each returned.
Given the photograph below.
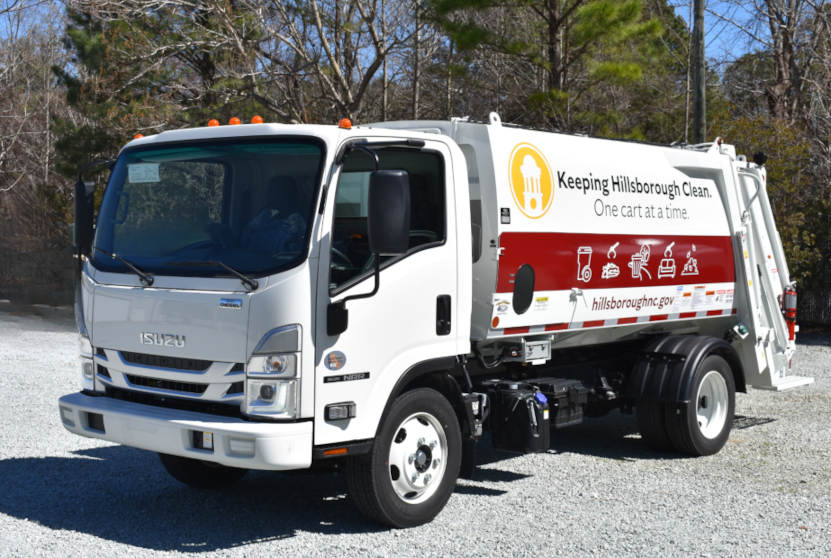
(443, 315)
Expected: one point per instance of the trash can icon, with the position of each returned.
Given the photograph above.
(584, 260)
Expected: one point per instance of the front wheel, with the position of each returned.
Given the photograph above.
(702, 426)
(200, 474)
(411, 471)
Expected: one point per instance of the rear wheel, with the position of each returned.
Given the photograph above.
(201, 474)
(411, 471)
(702, 426)
(652, 423)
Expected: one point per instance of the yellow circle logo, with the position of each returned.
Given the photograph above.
(532, 183)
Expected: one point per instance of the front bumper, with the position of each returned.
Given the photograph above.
(237, 443)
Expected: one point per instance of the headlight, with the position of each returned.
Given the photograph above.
(267, 393)
(273, 398)
(284, 366)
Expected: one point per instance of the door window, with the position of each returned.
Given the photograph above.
(351, 260)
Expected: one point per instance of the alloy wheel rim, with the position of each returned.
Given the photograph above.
(418, 458)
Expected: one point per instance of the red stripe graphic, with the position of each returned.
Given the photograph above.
(685, 315)
(623, 321)
(594, 323)
(562, 261)
(714, 312)
(659, 317)
(556, 327)
(514, 330)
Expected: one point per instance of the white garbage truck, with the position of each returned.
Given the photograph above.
(379, 297)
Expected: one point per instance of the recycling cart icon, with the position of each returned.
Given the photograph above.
(584, 260)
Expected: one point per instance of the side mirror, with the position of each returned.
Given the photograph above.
(82, 231)
(388, 225)
(388, 214)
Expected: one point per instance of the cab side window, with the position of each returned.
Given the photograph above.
(351, 259)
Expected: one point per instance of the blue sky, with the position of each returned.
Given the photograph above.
(724, 41)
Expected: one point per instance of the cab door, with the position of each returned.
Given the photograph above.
(398, 327)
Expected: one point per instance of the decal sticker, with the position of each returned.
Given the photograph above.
(584, 262)
(505, 214)
(639, 263)
(679, 296)
(667, 267)
(143, 173)
(334, 360)
(698, 298)
(531, 180)
(502, 306)
(346, 378)
(691, 267)
(541, 304)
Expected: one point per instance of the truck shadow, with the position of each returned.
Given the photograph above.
(614, 436)
(124, 495)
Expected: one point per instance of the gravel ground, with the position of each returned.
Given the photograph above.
(597, 492)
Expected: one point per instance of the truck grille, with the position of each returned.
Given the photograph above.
(166, 384)
(190, 364)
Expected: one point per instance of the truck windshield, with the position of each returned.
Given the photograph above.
(178, 209)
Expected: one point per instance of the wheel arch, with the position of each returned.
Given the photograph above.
(666, 368)
(434, 374)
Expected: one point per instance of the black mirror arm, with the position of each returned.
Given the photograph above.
(92, 164)
(371, 152)
(342, 302)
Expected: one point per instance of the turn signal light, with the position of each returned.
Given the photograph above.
(345, 123)
(138, 136)
(257, 120)
(336, 451)
(234, 121)
(213, 122)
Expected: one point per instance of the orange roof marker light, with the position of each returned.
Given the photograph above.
(213, 122)
(138, 136)
(345, 123)
(257, 120)
(234, 121)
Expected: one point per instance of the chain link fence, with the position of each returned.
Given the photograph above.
(814, 307)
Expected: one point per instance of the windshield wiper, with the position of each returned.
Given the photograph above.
(247, 281)
(145, 279)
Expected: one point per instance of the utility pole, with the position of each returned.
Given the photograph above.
(699, 78)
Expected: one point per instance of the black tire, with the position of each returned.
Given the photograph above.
(200, 474)
(652, 423)
(682, 418)
(370, 482)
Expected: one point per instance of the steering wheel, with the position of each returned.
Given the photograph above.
(342, 256)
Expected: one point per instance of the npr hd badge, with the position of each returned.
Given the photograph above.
(334, 360)
(346, 377)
